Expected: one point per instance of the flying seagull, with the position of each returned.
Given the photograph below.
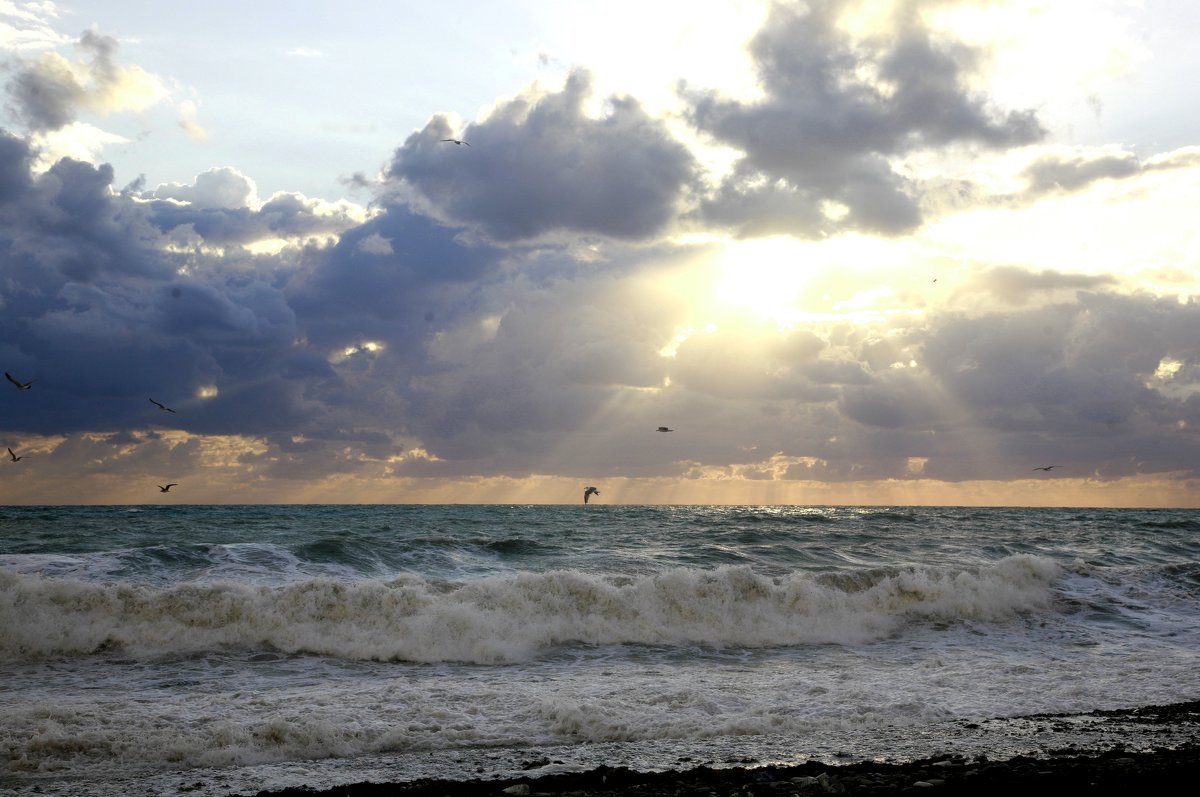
(664, 429)
(162, 407)
(165, 487)
(15, 458)
(589, 492)
(458, 141)
(20, 385)
(1048, 467)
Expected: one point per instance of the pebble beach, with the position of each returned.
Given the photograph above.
(1073, 770)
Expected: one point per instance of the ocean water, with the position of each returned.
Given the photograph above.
(224, 649)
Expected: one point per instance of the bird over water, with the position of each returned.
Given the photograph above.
(589, 492)
(165, 487)
(1048, 467)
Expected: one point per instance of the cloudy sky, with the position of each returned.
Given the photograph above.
(850, 251)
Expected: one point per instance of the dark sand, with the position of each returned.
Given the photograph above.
(1060, 772)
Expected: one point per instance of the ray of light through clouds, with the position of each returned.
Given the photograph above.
(851, 252)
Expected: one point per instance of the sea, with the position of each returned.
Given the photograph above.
(219, 650)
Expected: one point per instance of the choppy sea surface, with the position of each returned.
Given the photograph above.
(224, 649)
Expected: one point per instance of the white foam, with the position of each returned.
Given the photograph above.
(86, 718)
(505, 618)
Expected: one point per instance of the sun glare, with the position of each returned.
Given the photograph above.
(765, 276)
(848, 278)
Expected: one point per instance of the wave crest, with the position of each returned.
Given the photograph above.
(507, 618)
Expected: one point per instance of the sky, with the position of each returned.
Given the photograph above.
(849, 251)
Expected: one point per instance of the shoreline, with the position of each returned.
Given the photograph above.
(1131, 772)
(1055, 771)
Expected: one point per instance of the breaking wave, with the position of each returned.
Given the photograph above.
(510, 618)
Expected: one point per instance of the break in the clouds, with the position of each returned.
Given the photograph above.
(819, 148)
(511, 317)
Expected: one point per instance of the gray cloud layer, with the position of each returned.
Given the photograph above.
(491, 358)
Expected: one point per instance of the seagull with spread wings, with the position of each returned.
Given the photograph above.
(457, 141)
(162, 407)
(15, 458)
(165, 487)
(1048, 467)
(589, 492)
(20, 385)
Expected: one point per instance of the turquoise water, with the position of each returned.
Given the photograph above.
(240, 644)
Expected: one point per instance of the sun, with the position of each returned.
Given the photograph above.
(790, 282)
(765, 276)
(767, 288)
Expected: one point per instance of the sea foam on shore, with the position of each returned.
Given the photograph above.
(1120, 768)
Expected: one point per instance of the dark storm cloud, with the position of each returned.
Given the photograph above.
(15, 160)
(824, 132)
(99, 310)
(539, 164)
(254, 316)
(63, 222)
(398, 277)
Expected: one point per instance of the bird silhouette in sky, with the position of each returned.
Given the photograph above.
(15, 458)
(589, 492)
(162, 407)
(165, 487)
(458, 141)
(20, 385)
(1048, 467)
(664, 429)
